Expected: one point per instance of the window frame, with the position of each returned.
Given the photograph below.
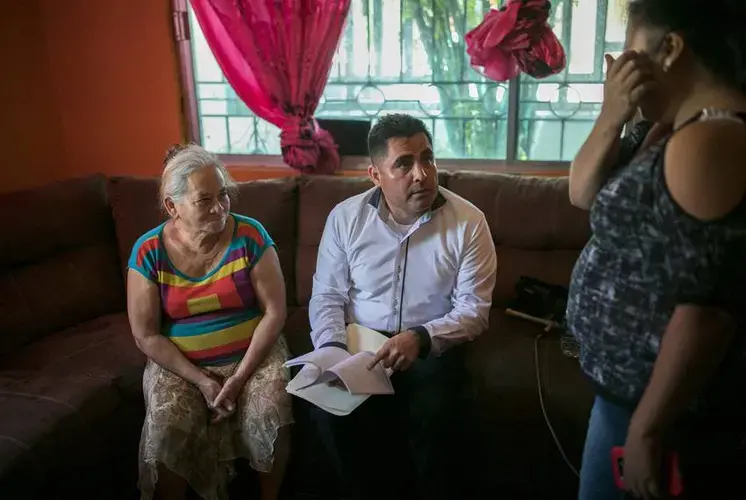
(190, 112)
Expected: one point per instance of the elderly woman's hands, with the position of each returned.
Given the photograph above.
(226, 398)
(211, 390)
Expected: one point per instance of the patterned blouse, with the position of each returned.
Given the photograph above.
(645, 256)
(211, 318)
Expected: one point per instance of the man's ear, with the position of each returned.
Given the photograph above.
(374, 174)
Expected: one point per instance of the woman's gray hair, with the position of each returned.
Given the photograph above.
(183, 160)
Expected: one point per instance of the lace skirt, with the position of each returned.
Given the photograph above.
(177, 432)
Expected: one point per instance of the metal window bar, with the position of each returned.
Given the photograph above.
(373, 9)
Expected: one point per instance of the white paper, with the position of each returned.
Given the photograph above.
(360, 339)
(322, 366)
(322, 358)
(307, 376)
(358, 379)
(331, 399)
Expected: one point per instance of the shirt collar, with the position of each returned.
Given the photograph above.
(377, 197)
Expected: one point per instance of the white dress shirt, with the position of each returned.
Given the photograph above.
(435, 277)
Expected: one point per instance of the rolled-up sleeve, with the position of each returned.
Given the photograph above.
(472, 294)
(331, 285)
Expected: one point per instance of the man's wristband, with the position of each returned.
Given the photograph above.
(425, 341)
(341, 345)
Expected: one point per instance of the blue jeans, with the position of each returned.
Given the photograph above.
(607, 428)
(711, 463)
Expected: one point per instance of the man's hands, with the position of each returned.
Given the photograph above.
(628, 80)
(399, 352)
(221, 399)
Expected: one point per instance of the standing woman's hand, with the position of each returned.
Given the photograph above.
(642, 464)
(628, 79)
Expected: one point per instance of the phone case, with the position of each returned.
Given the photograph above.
(675, 487)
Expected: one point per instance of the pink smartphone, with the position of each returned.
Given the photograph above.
(675, 487)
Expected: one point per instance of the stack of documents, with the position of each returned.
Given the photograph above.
(339, 381)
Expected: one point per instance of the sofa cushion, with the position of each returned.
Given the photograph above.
(273, 202)
(298, 332)
(135, 208)
(550, 266)
(531, 213)
(54, 423)
(316, 198)
(537, 231)
(73, 394)
(102, 349)
(53, 219)
(502, 360)
(503, 365)
(58, 261)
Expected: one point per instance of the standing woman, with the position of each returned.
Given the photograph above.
(658, 296)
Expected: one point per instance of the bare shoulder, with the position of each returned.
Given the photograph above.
(705, 168)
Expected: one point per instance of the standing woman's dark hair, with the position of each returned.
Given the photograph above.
(690, 42)
(657, 297)
(712, 29)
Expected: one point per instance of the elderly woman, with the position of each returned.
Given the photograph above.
(206, 303)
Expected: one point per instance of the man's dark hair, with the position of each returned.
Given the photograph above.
(390, 126)
(713, 30)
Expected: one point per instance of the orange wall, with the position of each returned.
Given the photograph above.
(31, 126)
(115, 74)
(90, 86)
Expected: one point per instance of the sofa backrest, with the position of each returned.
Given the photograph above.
(537, 232)
(58, 260)
(62, 256)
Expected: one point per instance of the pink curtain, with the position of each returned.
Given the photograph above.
(276, 54)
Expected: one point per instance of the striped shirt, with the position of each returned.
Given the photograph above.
(210, 318)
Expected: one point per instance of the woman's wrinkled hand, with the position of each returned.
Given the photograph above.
(227, 397)
(211, 390)
(628, 80)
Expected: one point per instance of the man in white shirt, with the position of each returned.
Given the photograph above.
(417, 263)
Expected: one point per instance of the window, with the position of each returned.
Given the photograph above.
(416, 62)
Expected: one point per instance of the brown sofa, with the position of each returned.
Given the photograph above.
(70, 375)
